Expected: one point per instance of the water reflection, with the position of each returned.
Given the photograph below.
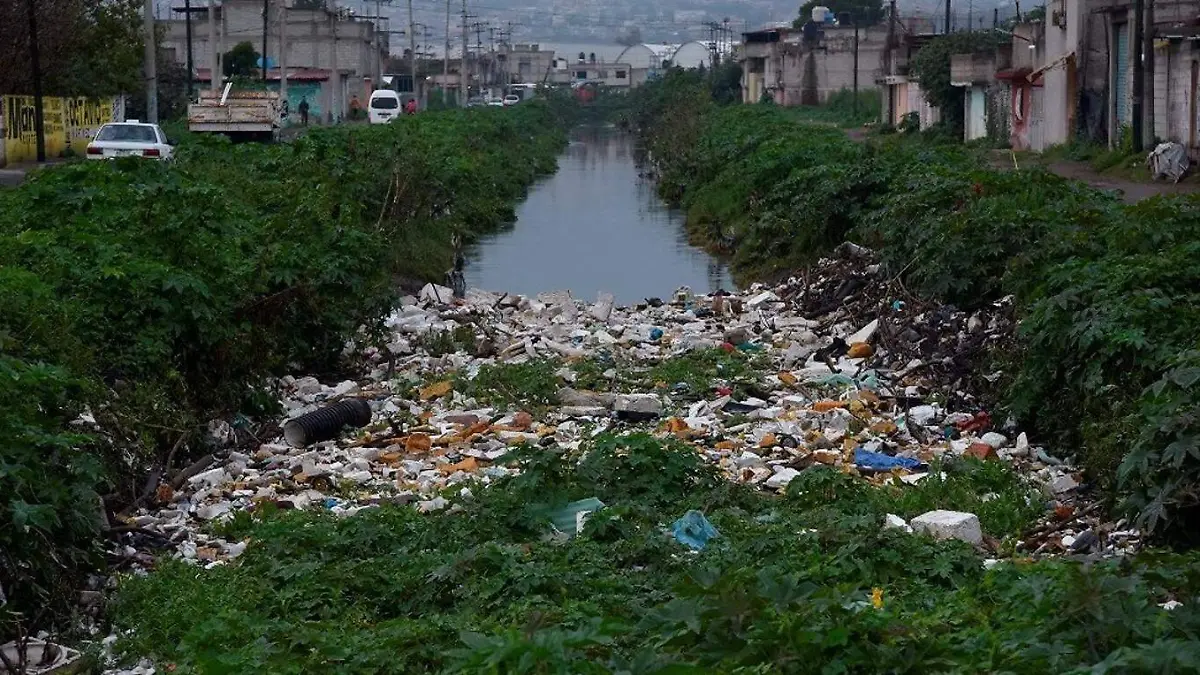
(595, 225)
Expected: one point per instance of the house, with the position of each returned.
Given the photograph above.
(902, 93)
(349, 49)
(804, 66)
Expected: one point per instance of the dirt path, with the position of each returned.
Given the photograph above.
(1131, 191)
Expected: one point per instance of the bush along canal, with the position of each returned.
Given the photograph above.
(860, 469)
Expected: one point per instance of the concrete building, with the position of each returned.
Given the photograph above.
(525, 63)
(792, 67)
(348, 48)
(1070, 77)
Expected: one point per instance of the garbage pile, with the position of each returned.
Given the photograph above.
(848, 372)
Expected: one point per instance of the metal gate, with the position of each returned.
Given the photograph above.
(1120, 76)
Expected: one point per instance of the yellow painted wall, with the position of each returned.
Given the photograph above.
(68, 123)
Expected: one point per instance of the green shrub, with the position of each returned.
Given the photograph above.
(170, 292)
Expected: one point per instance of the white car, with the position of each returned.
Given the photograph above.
(495, 102)
(130, 138)
(383, 106)
(511, 99)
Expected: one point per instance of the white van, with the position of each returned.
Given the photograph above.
(383, 107)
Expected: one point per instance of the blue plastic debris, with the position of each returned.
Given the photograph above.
(330, 502)
(569, 519)
(877, 461)
(694, 531)
(656, 334)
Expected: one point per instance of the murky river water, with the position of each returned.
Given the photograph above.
(594, 226)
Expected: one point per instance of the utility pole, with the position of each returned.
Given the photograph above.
(1148, 104)
(947, 17)
(855, 102)
(891, 48)
(995, 17)
(446, 59)
(335, 95)
(266, 16)
(35, 62)
(151, 69)
(283, 88)
(213, 65)
(1139, 11)
(463, 75)
(187, 18)
(412, 51)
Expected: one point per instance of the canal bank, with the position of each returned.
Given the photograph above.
(596, 225)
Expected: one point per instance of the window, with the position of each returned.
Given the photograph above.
(140, 133)
(385, 103)
(620, 74)
(581, 74)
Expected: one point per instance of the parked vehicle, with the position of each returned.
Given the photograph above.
(495, 102)
(383, 106)
(511, 99)
(245, 114)
(129, 139)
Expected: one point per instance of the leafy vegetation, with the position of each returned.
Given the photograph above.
(931, 66)
(806, 582)
(160, 296)
(1106, 290)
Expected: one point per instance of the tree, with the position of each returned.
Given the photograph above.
(241, 61)
(630, 37)
(865, 12)
(88, 47)
(931, 66)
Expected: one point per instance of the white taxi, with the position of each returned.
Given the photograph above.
(129, 139)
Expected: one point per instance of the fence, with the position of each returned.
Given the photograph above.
(68, 124)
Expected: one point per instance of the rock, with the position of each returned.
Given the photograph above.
(210, 478)
(995, 440)
(781, 478)
(1022, 447)
(737, 335)
(522, 420)
(465, 419)
(980, 451)
(1084, 541)
(602, 310)
(418, 442)
(762, 299)
(433, 293)
(1063, 483)
(950, 525)
(583, 411)
(575, 397)
(865, 333)
(638, 407)
(859, 350)
(213, 511)
(894, 522)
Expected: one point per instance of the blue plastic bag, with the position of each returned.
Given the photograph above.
(694, 531)
(877, 461)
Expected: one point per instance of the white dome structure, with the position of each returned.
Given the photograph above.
(692, 55)
(647, 57)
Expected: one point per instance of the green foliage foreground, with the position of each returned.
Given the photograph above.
(1106, 366)
(804, 583)
(162, 295)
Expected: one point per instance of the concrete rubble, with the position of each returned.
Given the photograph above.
(851, 373)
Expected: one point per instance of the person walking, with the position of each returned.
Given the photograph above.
(303, 108)
(410, 108)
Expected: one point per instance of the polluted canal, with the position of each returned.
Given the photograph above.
(596, 225)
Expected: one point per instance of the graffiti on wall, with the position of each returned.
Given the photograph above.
(68, 124)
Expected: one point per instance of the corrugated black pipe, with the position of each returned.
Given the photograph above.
(326, 423)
